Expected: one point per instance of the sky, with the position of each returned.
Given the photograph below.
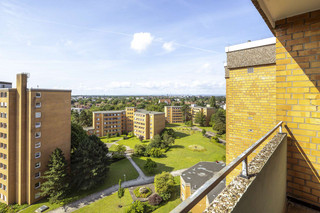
(127, 47)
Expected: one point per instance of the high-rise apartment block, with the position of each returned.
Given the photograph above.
(141, 122)
(33, 123)
(174, 114)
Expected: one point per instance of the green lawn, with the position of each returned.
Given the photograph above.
(111, 202)
(180, 157)
(131, 142)
(116, 172)
(108, 204)
(111, 140)
(207, 128)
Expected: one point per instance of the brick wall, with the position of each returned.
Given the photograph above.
(251, 109)
(298, 101)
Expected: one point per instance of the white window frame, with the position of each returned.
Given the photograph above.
(38, 114)
(39, 105)
(37, 195)
(37, 145)
(37, 167)
(37, 153)
(39, 124)
(38, 94)
(37, 187)
(37, 133)
(35, 175)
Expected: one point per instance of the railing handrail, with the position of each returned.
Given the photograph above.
(194, 198)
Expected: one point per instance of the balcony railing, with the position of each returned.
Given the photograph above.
(196, 197)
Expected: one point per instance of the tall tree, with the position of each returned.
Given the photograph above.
(77, 134)
(212, 102)
(56, 177)
(200, 118)
(89, 163)
(164, 184)
(186, 113)
(120, 192)
(218, 121)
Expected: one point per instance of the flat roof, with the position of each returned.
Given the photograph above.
(147, 112)
(49, 90)
(200, 173)
(251, 44)
(110, 111)
(88, 128)
(3, 82)
(173, 106)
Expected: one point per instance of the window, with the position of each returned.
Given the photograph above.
(38, 114)
(38, 145)
(5, 146)
(37, 165)
(250, 69)
(38, 105)
(37, 195)
(38, 134)
(37, 185)
(38, 124)
(38, 94)
(38, 154)
(37, 175)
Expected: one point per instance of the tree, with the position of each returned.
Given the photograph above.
(121, 149)
(212, 102)
(154, 199)
(140, 149)
(150, 165)
(154, 152)
(168, 140)
(200, 118)
(140, 138)
(218, 121)
(85, 118)
(203, 132)
(186, 113)
(89, 163)
(120, 192)
(139, 207)
(56, 177)
(164, 185)
(77, 135)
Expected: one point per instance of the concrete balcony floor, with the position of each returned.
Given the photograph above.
(297, 208)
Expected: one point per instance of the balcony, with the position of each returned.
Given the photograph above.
(261, 186)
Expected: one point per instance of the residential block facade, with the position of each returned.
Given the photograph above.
(33, 123)
(173, 114)
(141, 122)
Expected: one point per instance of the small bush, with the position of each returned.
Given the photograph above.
(142, 195)
(150, 166)
(140, 207)
(154, 199)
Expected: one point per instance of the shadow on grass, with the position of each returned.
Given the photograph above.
(180, 134)
(160, 167)
(172, 125)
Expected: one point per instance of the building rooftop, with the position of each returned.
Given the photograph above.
(110, 111)
(173, 106)
(200, 173)
(3, 82)
(148, 112)
(88, 128)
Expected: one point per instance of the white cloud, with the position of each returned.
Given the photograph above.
(206, 68)
(168, 46)
(141, 41)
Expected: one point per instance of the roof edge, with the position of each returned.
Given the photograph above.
(251, 44)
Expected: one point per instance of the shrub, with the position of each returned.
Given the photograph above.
(164, 184)
(215, 139)
(137, 192)
(130, 134)
(204, 132)
(139, 207)
(154, 199)
(141, 138)
(120, 149)
(117, 134)
(155, 152)
(140, 149)
(150, 165)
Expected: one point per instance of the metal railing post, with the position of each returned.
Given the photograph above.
(280, 128)
(244, 172)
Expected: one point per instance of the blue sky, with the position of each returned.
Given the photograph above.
(127, 47)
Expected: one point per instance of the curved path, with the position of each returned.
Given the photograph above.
(141, 180)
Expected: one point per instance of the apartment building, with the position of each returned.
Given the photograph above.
(33, 122)
(148, 124)
(173, 114)
(109, 122)
(207, 111)
(141, 122)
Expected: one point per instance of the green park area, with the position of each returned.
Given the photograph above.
(116, 171)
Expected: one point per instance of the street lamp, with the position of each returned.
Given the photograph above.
(124, 177)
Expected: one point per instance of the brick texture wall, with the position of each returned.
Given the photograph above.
(251, 109)
(298, 101)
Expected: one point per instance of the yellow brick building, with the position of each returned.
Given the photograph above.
(173, 114)
(33, 122)
(141, 122)
(207, 111)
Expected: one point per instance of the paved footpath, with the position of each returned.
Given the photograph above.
(141, 180)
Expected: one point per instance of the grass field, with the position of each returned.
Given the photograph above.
(116, 172)
(108, 204)
(111, 140)
(180, 157)
(111, 202)
(131, 142)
